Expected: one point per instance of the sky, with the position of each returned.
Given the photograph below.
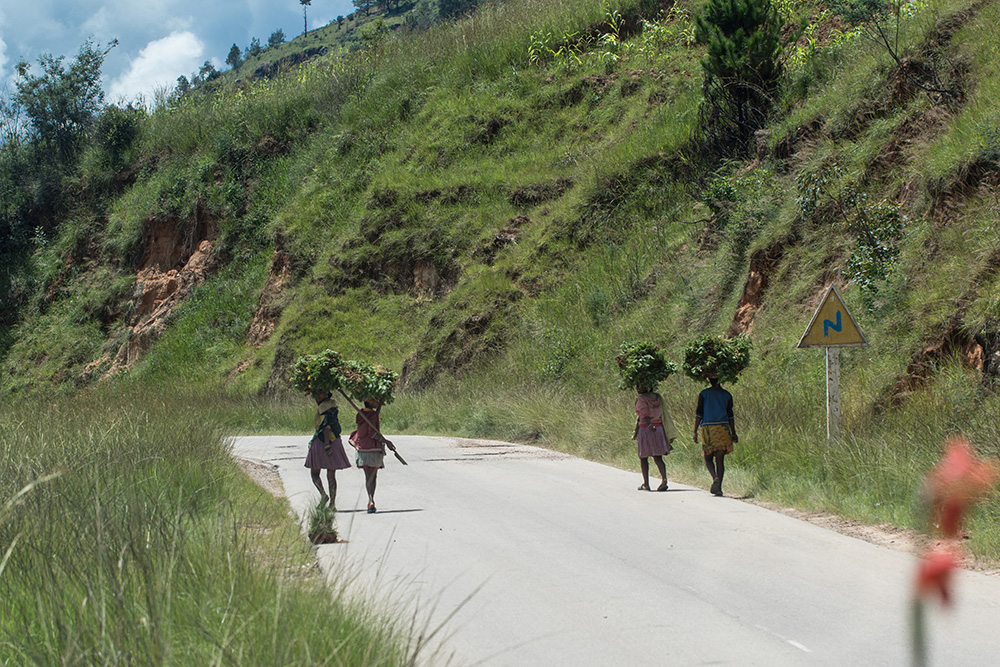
(158, 40)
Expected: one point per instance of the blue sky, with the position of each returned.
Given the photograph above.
(159, 40)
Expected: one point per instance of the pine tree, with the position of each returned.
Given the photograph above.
(235, 58)
(742, 65)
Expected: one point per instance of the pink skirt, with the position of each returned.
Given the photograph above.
(652, 441)
(318, 459)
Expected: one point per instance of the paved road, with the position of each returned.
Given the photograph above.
(544, 559)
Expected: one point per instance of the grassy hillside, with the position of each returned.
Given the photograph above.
(493, 206)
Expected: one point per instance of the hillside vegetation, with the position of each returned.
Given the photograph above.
(492, 206)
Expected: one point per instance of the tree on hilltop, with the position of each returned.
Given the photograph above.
(277, 38)
(364, 5)
(61, 103)
(305, 19)
(206, 73)
(253, 50)
(235, 58)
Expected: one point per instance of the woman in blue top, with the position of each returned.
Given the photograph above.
(326, 450)
(713, 417)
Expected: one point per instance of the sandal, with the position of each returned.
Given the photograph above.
(371, 508)
(643, 487)
(662, 486)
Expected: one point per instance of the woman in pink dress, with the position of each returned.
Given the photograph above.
(654, 431)
(368, 440)
(326, 451)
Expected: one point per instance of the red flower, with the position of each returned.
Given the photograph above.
(934, 573)
(957, 481)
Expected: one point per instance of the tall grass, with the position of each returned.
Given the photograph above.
(129, 537)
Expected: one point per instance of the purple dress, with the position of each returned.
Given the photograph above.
(656, 429)
(326, 422)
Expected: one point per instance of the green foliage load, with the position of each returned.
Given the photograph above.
(718, 356)
(318, 372)
(361, 381)
(643, 365)
(329, 371)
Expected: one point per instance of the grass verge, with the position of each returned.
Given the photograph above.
(130, 537)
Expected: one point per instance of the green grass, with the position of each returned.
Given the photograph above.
(130, 536)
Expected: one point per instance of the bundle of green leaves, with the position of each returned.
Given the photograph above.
(707, 356)
(362, 380)
(319, 372)
(642, 365)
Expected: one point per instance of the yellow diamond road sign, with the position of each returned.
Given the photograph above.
(832, 325)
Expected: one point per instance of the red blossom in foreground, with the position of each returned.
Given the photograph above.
(934, 573)
(958, 480)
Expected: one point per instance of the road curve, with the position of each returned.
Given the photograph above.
(538, 558)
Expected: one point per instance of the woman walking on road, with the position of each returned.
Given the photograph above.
(368, 440)
(326, 450)
(654, 431)
(713, 416)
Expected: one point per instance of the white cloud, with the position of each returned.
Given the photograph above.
(3, 47)
(157, 66)
(3, 57)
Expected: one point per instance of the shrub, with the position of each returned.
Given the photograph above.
(322, 525)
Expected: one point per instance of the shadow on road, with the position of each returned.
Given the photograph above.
(364, 511)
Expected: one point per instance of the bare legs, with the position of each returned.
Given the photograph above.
(331, 480)
(716, 464)
(371, 477)
(644, 466)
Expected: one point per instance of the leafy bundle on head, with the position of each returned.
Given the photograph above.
(318, 372)
(718, 356)
(328, 371)
(362, 380)
(643, 365)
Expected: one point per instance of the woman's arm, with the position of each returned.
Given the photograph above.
(699, 412)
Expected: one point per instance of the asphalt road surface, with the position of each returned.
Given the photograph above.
(523, 556)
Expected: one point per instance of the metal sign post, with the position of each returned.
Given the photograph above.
(833, 327)
(832, 393)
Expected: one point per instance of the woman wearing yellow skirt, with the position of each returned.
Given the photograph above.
(713, 418)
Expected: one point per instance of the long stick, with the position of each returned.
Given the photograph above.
(392, 447)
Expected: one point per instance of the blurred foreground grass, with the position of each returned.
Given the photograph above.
(129, 536)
